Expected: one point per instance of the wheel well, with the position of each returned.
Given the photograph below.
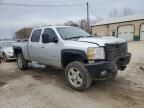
(17, 51)
(68, 57)
(3, 53)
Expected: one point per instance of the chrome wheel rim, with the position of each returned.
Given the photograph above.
(19, 61)
(75, 77)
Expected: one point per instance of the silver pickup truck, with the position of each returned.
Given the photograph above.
(83, 57)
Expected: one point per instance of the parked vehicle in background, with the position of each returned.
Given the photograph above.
(6, 50)
(84, 57)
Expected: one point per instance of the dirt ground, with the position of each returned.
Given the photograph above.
(39, 87)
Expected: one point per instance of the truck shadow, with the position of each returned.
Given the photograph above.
(57, 77)
(119, 89)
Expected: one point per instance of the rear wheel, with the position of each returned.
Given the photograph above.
(21, 62)
(5, 58)
(123, 68)
(78, 76)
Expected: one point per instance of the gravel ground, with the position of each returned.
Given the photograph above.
(39, 87)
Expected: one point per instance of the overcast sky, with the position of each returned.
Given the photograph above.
(13, 18)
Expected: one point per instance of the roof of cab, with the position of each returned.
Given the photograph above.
(50, 27)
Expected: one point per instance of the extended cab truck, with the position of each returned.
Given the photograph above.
(84, 58)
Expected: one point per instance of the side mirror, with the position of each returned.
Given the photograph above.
(45, 38)
(55, 39)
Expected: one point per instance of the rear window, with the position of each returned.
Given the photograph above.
(36, 35)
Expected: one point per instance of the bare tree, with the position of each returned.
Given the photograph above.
(127, 11)
(23, 33)
(71, 23)
(113, 13)
(83, 24)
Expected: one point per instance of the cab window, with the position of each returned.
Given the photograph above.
(48, 35)
(36, 35)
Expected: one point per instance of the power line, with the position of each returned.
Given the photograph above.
(31, 5)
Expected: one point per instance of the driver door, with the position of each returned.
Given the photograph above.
(50, 49)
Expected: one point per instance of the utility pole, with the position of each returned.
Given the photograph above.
(88, 20)
(13, 33)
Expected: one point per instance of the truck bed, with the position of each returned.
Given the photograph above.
(24, 47)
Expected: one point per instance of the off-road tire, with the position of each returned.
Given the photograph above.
(5, 58)
(86, 77)
(24, 63)
(123, 68)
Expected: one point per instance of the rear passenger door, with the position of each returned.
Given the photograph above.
(34, 44)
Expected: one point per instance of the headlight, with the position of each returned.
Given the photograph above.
(95, 53)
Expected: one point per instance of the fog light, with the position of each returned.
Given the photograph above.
(103, 73)
(91, 61)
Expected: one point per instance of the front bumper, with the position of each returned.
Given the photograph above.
(100, 69)
(123, 61)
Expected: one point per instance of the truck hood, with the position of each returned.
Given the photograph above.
(101, 41)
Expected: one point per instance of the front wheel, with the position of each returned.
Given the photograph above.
(78, 76)
(21, 62)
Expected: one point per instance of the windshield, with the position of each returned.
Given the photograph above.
(72, 32)
(7, 44)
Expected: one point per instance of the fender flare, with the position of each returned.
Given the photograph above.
(17, 50)
(67, 54)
